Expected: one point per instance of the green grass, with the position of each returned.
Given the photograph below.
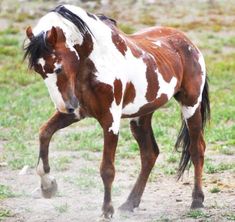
(84, 182)
(26, 105)
(230, 216)
(61, 163)
(128, 29)
(62, 208)
(196, 214)
(5, 192)
(211, 167)
(4, 213)
(215, 190)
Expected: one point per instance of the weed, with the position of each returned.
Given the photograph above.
(172, 158)
(9, 31)
(62, 208)
(215, 190)
(197, 214)
(147, 19)
(62, 163)
(211, 168)
(88, 171)
(84, 182)
(128, 29)
(4, 213)
(227, 150)
(87, 156)
(230, 216)
(5, 192)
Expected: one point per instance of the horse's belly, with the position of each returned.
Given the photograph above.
(138, 109)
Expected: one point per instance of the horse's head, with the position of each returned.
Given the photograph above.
(58, 50)
(57, 63)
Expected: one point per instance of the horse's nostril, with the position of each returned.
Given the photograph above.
(70, 110)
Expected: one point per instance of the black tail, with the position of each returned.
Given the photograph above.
(183, 139)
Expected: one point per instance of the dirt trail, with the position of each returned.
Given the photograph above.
(164, 198)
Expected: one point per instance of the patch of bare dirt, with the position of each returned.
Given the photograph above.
(164, 198)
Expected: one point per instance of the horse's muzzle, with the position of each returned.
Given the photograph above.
(72, 105)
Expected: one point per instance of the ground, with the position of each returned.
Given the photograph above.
(76, 151)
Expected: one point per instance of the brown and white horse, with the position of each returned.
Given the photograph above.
(92, 69)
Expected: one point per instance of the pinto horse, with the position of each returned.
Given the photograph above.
(92, 69)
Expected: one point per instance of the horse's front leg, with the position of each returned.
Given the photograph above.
(56, 122)
(107, 169)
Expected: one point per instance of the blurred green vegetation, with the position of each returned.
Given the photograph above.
(25, 103)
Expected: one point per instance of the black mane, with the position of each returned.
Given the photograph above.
(36, 48)
(75, 19)
(105, 18)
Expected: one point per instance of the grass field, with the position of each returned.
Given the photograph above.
(25, 105)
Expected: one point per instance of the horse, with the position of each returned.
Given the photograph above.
(93, 69)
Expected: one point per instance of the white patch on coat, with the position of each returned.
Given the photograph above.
(77, 113)
(158, 43)
(126, 68)
(165, 87)
(42, 62)
(40, 169)
(57, 66)
(56, 97)
(188, 111)
(116, 111)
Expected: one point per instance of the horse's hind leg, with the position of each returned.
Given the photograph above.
(56, 122)
(143, 133)
(196, 150)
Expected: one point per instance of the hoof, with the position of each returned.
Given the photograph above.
(108, 212)
(103, 219)
(197, 203)
(48, 187)
(127, 206)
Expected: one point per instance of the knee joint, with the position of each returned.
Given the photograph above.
(44, 134)
(107, 174)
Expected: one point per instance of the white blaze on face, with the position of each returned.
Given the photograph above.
(56, 97)
(188, 111)
(51, 83)
(42, 62)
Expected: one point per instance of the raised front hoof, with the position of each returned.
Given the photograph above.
(197, 203)
(108, 212)
(127, 206)
(49, 190)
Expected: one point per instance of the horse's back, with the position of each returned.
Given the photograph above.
(155, 32)
(172, 50)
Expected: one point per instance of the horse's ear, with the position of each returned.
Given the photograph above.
(52, 36)
(29, 33)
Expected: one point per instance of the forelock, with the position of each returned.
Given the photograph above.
(36, 48)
